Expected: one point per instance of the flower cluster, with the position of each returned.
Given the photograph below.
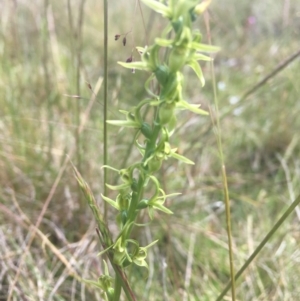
(183, 49)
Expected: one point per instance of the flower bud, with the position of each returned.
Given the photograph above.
(177, 25)
(124, 216)
(162, 74)
(178, 58)
(134, 185)
(146, 130)
(143, 204)
(166, 112)
(172, 123)
(110, 293)
(154, 164)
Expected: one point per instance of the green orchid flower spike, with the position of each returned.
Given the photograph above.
(182, 46)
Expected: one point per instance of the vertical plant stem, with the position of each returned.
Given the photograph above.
(123, 280)
(118, 286)
(143, 19)
(45, 63)
(105, 15)
(73, 47)
(228, 223)
(70, 18)
(78, 91)
(224, 176)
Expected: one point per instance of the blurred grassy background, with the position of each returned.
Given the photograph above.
(41, 55)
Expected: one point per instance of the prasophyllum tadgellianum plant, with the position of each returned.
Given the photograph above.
(183, 47)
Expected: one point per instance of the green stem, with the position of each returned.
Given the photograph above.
(118, 286)
(105, 13)
(150, 148)
(136, 197)
(229, 233)
(123, 280)
(152, 143)
(224, 179)
(285, 215)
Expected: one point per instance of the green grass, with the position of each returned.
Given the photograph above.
(260, 144)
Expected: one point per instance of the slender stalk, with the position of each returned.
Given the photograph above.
(124, 282)
(135, 199)
(45, 64)
(77, 80)
(105, 15)
(70, 18)
(229, 233)
(74, 50)
(285, 215)
(118, 287)
(224, 176)
(73, 44)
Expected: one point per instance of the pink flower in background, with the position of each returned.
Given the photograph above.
(251, 20)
